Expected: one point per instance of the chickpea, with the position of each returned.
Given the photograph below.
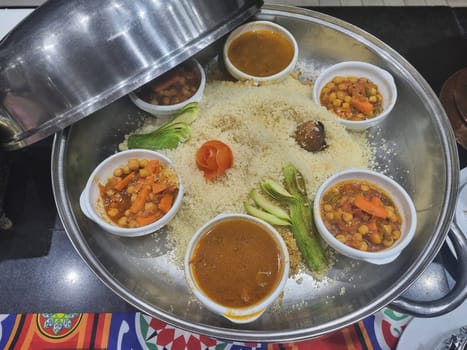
(132, 224)
(123, 221)
(340, 95)
(396, 234)
(388, 241)
(143, 163)
(133, 164)
(332, 97)
(112, 212)
(330, 85)
(393, 217)
(363, 229)
(364, 188)
(118, 172)
(342, 86)
(338, 79)
(357, 237)
(130, 189)
(375, 238)
(149, 206)
(144, 172)
(186, 92)
(363, 246)
(373, 99)
(337, 102)
(346, 105)
(110, 193)
(341, 238)
(387, 229)
(327, 207)
(126, 170)
(330, 216)
(347, 98)
(347, 217)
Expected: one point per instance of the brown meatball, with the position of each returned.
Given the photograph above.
(311, 136)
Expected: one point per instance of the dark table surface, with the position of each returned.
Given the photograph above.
(40, 271)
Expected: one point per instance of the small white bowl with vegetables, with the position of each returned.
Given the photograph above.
(166, 95)
(132, 193)
(365, 215)
(360, 94)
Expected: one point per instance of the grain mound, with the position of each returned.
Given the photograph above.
(258, 123)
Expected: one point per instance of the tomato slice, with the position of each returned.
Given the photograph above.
(214, 158)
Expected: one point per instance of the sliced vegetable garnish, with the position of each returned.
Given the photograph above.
(170, 134)
(298, 214)
(214, 158)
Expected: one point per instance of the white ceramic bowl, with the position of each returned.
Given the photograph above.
(92, 205)
(401, 200)
(383, 79)
(245, 314)
(166, 111)
(260, 25)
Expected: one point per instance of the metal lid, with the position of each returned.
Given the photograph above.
(70, 58)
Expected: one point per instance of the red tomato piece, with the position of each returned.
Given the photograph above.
(214, 158)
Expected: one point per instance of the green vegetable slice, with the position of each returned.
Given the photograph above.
(292, 195)
(270, 218)
(170, 134)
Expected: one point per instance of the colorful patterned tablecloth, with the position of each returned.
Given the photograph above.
(138, 331)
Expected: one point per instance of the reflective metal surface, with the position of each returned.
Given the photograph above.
(415, 146)
(68, 59)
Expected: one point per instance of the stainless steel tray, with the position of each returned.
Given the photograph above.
(423, 160)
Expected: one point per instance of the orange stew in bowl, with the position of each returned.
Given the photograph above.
(173, 87)
(361, 215)
(352, 98)
(261, 53)
(139, 193)
(237, 263)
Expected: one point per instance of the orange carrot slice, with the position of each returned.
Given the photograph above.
(166, 202)
(119, 186)
(369, 207)
(141, 199)
(158, 187)
(362, 104)
(146, 220)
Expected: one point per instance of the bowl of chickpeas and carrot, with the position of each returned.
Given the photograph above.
(365, 215)
(173, 90)
(132, 193)
(360, 94)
